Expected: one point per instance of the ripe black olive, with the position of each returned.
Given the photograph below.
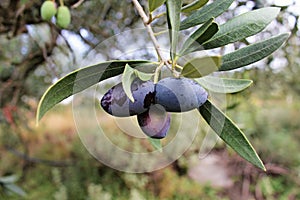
(179, 94)
(155, 122)
(116, 102)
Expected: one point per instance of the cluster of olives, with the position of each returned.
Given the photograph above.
(63, 15)
(152, 102)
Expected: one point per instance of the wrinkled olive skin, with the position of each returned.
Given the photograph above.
(155, 122)
(116, 102)
(179, 94)
(48, 10)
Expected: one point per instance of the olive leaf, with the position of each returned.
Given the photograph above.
(252, 53)
(15, 189)
(142, 75)
(242, 26)
(208, 11)
(156, 143)
(173, 18)
(202, 66)
(223, 85)
(230, 133)
(129, 75)
(81, 79)
(127, 79)
(202, 34)
(193, 6)
(153, 4)
(8, 183)
(8, 179)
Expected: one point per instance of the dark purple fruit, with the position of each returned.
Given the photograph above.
(116, 102)
(155, 122)
(179, 94)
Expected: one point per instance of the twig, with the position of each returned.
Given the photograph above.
(149, 29)
(150, 32)
(158, 16)
(146, 21)
(157, 70)
(77, 4)
(61, 2)
(29, 159)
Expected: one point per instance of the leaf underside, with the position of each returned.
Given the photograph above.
(223, 85)
(128, 77)
(230, 133)
(202, 66)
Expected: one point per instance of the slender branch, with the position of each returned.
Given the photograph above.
(149, 29)
(158, 16)
(61, 2)
(29, 159)
(163, 60)
(157, 72)
(76, 5)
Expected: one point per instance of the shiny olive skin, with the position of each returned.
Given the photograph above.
(179, 94)
(116, 102)
(155, 122)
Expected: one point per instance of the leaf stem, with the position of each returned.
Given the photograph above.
(76, 5)
(158, 16)
(157, 72)
(61, 2)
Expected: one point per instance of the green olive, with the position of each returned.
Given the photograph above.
(63, 17)
(48, 10)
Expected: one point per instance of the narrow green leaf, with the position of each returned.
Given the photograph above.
(202, 34)
(173, 17)
(208, 11)
(82, 79)
(230, 133)
(15, 189)
(127, 79)
(156, 143)
(143, 76)
(194, 6)
(8, 179)
(252, 53)
(203, 66)
(223, 85)
(153, 4)
(209, 33)
(242, 26)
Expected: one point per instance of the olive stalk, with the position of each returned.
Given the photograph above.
(160, 55)
(158, 16)
(149, 29)
(61, 2)
(157, 72)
